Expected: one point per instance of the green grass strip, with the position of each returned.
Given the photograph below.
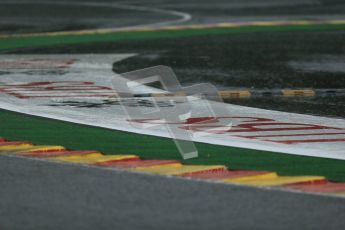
(16, 127)
(49, 40)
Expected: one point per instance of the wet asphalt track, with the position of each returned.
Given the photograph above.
(45, 195)
(23, 16)
(41, 195)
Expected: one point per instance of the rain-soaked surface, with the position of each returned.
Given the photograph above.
(255, 61)
(25, 16)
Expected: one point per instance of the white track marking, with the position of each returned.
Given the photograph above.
(183, 17)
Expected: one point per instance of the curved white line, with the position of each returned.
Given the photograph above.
(183, 17)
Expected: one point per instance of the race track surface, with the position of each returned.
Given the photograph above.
(45, 195)
(50, 15)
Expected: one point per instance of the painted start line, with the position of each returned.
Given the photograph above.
(78, 88)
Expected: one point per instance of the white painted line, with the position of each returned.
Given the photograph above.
(182, 16)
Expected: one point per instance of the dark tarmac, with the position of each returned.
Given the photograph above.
(27, 16)
(46, 195)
